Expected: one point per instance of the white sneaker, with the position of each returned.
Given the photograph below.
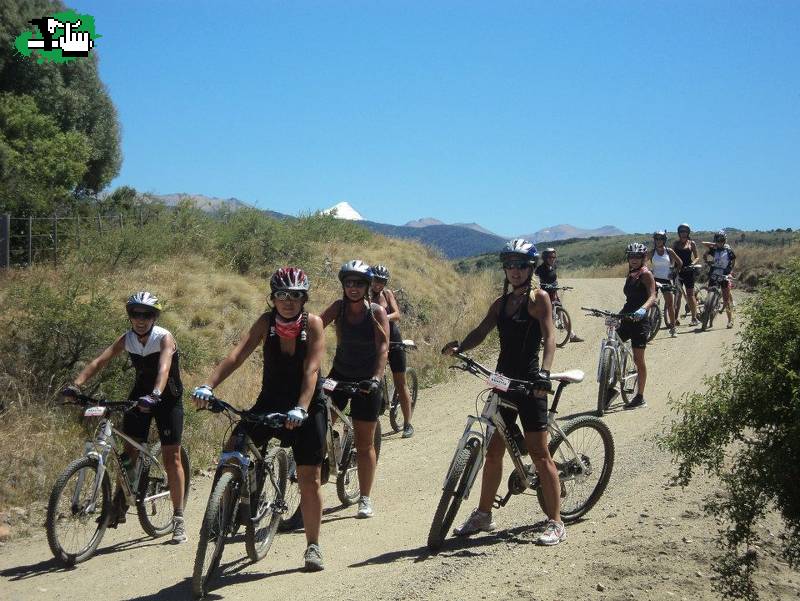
(553, 533)
(478, 521)
(364, 508)
(178, 530)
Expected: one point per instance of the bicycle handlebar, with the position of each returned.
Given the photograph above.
(603, 313)
(476, 369)
(83, 399)
(273, 420)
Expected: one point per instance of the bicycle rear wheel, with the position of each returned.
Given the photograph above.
(453, 493)
(153, 502)
(606, 380)
(76, 519)
(654, 319)
(268, 505)
(582, 484)
(220, 510)
(293, 518)
(395, 411)
(563, 326)
(347, 487)
(709, 307)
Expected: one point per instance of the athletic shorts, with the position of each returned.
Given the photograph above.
(686, 277)
(397, 355)
(532, 412)
(307, 441)
(169, 422)
(664, 281)
(363, 407)
(636, 331)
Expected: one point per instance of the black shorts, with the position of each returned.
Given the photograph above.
(307, 441)
(363, 407)
(169, 422)
(636, 331)
(397, 354)
(686, 277)
(664, 281)
(532, 412)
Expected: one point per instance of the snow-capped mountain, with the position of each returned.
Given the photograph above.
(343, 210)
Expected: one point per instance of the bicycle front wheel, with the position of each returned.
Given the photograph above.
(268, 505)
(453, 493)
(563, 326)
(395, 411)
(347, 487)
(293, 518)
(216, 526)
(153, 503)
(583, 475)
(654, 319)
(606, 381)
(76, 517)
(707, 317)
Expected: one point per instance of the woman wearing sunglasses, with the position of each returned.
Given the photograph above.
(293, 345)
(523, 318)
(157, 391)
(665, 262)
(686, 249)
(362, 344)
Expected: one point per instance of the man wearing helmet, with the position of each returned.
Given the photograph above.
(293, 346)
(157, 390)
(686, 249)
(384, 297)
(523, 318)
(640, 295)
(362, 345)
(721, 259)
(548, 280)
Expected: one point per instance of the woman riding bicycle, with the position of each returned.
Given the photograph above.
(384, 297)
(157, 390)
(640, 295)
(523, 318)
(686, 249)
(293, 346)
(362, 335)
(722, 260)
(665, 261)
(548, 280)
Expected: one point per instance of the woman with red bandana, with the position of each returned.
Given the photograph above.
(293, 343)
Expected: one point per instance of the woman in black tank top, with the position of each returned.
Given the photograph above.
(686, 249)
(362, 335)
(293, 343)
(523, 318)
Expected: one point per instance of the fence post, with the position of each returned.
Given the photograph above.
(30, 241)
(78, 231)
(5, 241)
(55, 241)
(99, 225)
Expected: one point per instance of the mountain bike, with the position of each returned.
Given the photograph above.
(341, 460)
(583, 451)
(391, 398)
(248, 489)
(616, 370)
(714, 303)
(561, 319)
(655, 312)
(80, 504)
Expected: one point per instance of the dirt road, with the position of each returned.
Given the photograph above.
(644, 539)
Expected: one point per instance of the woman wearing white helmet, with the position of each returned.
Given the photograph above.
(664, 261)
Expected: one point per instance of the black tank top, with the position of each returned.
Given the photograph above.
(520, 339)
(282, 378)
(394, 328)
(547, 275)
(685, 254)
(355, 350)
(636, 294)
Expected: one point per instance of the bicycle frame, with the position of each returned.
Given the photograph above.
(333, 460)
(619, 348)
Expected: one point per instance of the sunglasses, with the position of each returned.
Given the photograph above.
(659, 238)
(141, 315)
(354, 284)
(288, 294)
(516, 265)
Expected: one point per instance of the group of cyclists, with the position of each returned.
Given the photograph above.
(366, 319)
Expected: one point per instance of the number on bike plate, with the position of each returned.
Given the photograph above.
(95, 411)
(499, 381)
(329, 385)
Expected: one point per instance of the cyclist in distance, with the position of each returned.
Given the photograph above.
(548, 280)
(640, 295)
(362, 344)
(384, 297)
(523, 317)
(686, 249)
(293, 346)
(157, 391)
(664, 261)
(722, 260)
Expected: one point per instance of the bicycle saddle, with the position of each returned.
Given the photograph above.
(571, 375)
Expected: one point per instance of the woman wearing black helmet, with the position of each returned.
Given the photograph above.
(384, 297)
(293, 346)
(686, 249)
(722, 260)
(362, 344)
(523, 318)
(640, 295)
(548, 281)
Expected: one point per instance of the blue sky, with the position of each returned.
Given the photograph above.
(516, 115)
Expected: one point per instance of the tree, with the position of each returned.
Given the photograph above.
(745, 428)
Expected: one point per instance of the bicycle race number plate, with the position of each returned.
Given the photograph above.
(499, 381)
(329, 385)
(96, 411)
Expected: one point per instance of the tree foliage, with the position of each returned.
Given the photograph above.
(745, 428)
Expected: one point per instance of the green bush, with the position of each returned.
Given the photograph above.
(745, 428)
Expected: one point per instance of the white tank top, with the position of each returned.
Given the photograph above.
(661, 265)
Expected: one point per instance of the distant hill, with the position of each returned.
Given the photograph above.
(476, 227)
(211, 204)
(566, 231)
(424, 222)
(344, 210)
(454, 241)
